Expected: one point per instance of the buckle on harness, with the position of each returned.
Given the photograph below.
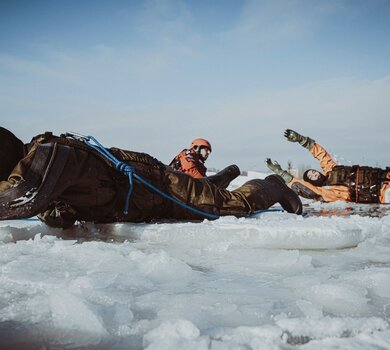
(77, 136)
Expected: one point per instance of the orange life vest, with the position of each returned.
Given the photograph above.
(189, 162)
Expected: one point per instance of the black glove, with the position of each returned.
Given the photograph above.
(277, 169)
(304, 141)
(58, 215)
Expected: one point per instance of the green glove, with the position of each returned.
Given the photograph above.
(277, 169)
(304, 141)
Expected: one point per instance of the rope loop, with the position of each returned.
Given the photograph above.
(125, 168)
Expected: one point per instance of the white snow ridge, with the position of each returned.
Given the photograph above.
(276, 281)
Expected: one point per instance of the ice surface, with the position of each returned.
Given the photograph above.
(275, 281)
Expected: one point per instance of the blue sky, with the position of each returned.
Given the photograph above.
(152, 75)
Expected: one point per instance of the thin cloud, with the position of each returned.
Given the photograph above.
(274, 21)
(29, 67)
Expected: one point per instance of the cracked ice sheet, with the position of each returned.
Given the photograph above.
(276, 281)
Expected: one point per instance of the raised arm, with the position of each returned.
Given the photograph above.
(326, 161)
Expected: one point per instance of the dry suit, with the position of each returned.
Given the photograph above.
(64, 180)
(360, 184)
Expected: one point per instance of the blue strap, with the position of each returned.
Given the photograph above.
(129, 171)
(261, 211)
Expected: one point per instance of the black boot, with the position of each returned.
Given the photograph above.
(11, 152)
(262, 194)
(279, 192)
(223, 178)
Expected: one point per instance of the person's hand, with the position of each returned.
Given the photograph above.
(273, 166)
(304, 141)
(292, 136)
(58, 215)
(277, 169)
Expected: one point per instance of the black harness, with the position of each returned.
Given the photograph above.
(364, 182)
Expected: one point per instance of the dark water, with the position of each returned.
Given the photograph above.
(368, 210)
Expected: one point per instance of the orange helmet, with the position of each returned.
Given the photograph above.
(201, 143)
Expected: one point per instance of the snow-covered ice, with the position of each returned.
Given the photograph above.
(275, 281)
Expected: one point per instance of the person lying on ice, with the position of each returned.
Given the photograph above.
(64, 179)
(360, 184)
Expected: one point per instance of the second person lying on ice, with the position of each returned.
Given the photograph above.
(360, 184)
